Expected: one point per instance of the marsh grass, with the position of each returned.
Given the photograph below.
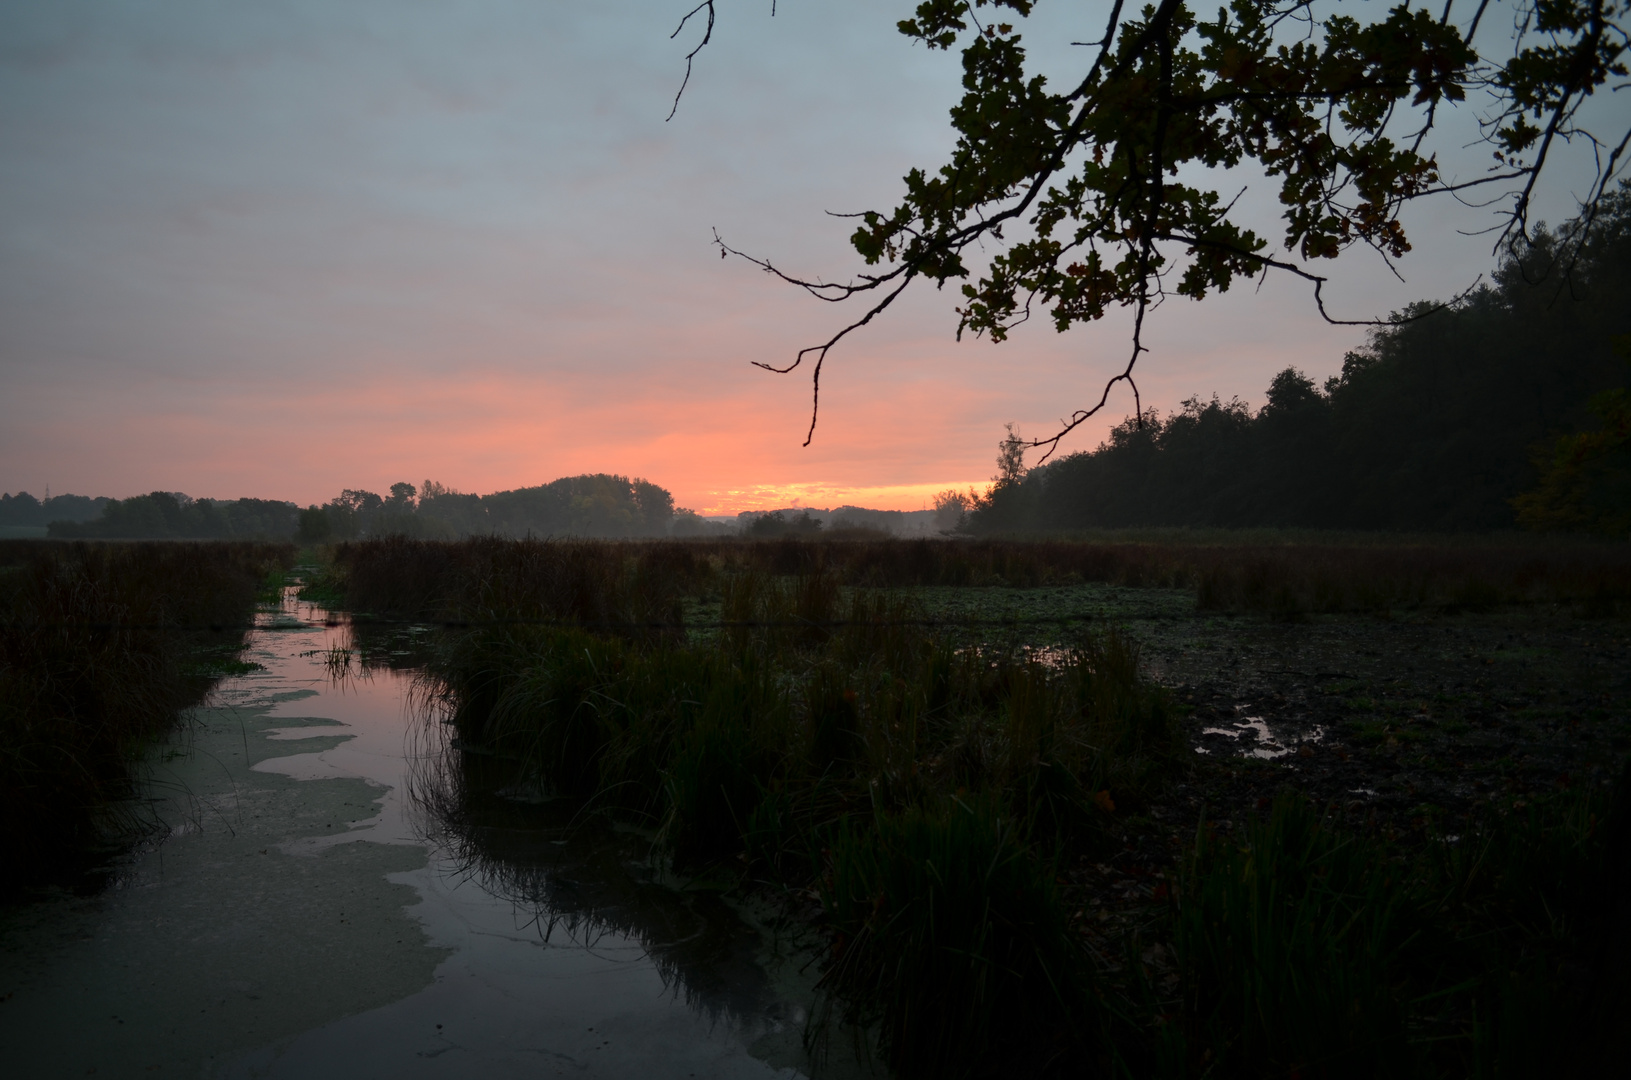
(1291, 946)
(820, 711)
(101, 647)
(1288, 575)
(1307, 950)
(826, 736)
(952, 940)
(606, 585)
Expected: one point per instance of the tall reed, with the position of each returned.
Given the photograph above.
(101, 647)
(953, 941)
(1307, 950)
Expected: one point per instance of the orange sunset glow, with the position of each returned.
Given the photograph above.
(468, 246)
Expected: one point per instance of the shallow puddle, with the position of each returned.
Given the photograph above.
(338, 894)
(1253, 736)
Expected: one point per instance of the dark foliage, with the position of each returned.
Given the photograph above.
(24, 509)
(955, 943)
(166, 516)
(597, 504)
(1307, 950)
(1433, 426)
(608, 584)
(779, 524)
(1585, 477)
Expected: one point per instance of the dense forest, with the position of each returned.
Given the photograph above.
(1440, 423)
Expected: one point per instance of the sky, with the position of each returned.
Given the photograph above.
(281, 248)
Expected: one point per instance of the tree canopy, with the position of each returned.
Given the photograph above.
(1086, 190)
(165, 515)
(1504, 408)
(594, 504)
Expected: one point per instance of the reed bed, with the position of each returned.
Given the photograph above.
(825, 738)
(1290, 577)
(819, 738)
(101, 648)
(1307, 950)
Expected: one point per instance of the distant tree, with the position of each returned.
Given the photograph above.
(315, 526)
(593, 504)
(73, 507)
(1010, 460)
(444, 512)
(351, 513)
(173, 515)
(688, 522)
(779, 524)
(655, 506)
(1005, 505)
(1291, 392)
(359, 501)
(950, 507)
(21, 509)
(402, 496)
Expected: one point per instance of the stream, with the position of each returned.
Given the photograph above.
(329, 891)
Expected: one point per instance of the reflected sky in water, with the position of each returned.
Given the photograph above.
(569, 954)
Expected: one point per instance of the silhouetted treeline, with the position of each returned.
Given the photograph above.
(846, 519)
(1585, 478)
(25, 510)
(164, 515)
(1436, 424)
(597, 504)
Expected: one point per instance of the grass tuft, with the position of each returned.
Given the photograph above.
(951, 939)
(101, 647)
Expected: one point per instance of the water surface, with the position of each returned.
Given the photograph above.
(330, 895)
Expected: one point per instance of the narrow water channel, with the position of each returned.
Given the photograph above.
(332, 891)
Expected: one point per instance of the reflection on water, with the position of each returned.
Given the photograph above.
(1253, 737)
(569, 952)
(585, 882)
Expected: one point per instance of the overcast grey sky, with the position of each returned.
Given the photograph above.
(284, 247)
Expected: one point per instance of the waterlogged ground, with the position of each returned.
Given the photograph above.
(1411, 725)
(330, 894)
(300, 913)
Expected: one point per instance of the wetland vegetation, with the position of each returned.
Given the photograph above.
(1247, 806)
(1159, 804)
(102, 647)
